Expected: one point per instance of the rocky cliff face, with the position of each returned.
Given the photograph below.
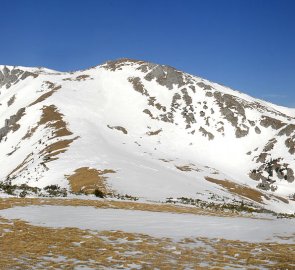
(159, 131)
(11, 76)
(208, 115)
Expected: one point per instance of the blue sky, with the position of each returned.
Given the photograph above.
(248, 45)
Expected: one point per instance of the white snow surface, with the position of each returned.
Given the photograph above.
(157, 224)
(145, 166)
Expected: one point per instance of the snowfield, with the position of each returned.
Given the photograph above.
(171, 225)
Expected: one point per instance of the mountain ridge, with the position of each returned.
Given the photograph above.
(49, 70)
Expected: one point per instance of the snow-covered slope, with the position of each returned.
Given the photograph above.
(146, 130)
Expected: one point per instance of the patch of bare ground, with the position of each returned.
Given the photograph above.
(238, 189)
(51, 151)
(23, 246)
(11, 101)
(21, 166)
(29, 133)
(53, 119)
(122, 129)
(86, 180)
(47, 94)
(187, 168)
(82, 77)
(152, 133)
(165, 160)
(129, 205)
(79, 78)
(284, 200)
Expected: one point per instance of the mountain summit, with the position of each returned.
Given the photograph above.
(146, 130)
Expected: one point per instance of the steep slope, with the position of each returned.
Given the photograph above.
(147, 130)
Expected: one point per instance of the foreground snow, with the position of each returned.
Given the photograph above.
(175, 226)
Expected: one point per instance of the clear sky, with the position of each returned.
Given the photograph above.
(248, 45)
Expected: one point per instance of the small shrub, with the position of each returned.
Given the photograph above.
(99, 193)
(23, 194)
(56, 191)
(52, 187)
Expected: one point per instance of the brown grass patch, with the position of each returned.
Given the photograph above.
(163, 207)
(46, 95)
(54, 119)
(87, 180)
(24, 246)
(21, 166)
(79, 78)
(30, 133)
(56, 148)
(82, 77)
(240, 190)
(152, 133)
(51, 118)
(186, 168)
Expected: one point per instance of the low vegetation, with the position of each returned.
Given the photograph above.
(235, 206)
(24, 190)
(220, 206)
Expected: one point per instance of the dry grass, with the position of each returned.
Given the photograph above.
(79, 78)
(23, 246)
(47, 94)
(29, 133)
(21, 166)
(87, 180)
(82, 77)
(56, 148)
(152, 133)
(240, 190)
(185, 168)
(54, 119)
(50, 118)
(45, 115)
(129, 205)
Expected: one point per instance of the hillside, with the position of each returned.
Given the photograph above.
(145, 130)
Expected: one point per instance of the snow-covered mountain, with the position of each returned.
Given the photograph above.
(146, 130)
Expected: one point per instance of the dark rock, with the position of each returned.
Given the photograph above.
(271, 122)
(288, 130)
(166, 76)
(206, 133)
(11, 124)
(257, 130)
(10, 77)
(204, 86)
